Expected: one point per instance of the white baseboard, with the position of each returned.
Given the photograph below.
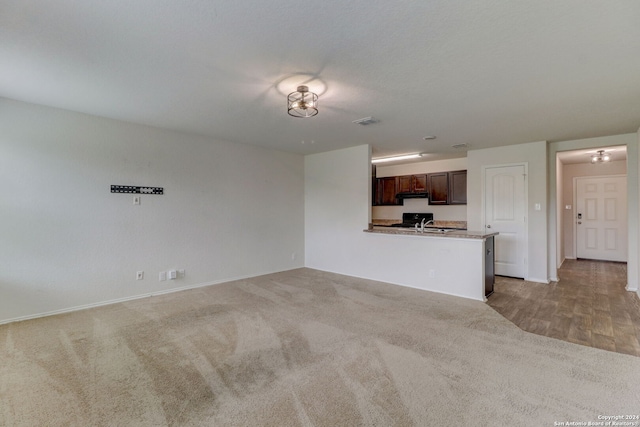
(533, 279)
(375, 279)
(135, 297)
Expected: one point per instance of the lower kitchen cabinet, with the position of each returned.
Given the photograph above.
(489, 266)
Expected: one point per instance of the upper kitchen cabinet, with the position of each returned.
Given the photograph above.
(438, 188)
(458, 188)
(412, 183)
(404, 184)
(386, 190)
(447, 188)
(442, 188)
(419, 183)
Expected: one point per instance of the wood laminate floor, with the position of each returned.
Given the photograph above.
(588, 305)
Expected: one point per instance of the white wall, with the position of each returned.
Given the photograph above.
(228, 210)
(422, 167)
(337, 205)
(633, 190)
(447, 212)
(569, 172)
(535, 155)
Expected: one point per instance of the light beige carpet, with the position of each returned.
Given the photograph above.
(302, 348)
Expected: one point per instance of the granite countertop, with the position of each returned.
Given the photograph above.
(438, 223)
(459, 234)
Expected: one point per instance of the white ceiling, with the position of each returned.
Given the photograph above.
(488, 73)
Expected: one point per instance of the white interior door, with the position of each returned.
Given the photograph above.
(505, 212)
(601, 218)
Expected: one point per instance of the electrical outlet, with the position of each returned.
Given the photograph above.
(139, 275)
(172, 274)
(181, 273)
(163, 276)
(432, 273)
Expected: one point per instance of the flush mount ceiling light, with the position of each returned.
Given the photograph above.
(600, 157)
(396, 158)
(302, 103)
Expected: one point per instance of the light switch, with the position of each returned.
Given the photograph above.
(136, 200)
(567, 207)
(537, 206)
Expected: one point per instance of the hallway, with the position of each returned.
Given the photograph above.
(588, 306)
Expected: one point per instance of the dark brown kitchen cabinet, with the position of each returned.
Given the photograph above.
(444, 188)
(489, 266)
(438, 188)
(458, 188)
(447, 188)
(419, 183)
(386, 190)
(412, 183)
(404, 184)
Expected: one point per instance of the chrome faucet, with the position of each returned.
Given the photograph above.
(423, 224)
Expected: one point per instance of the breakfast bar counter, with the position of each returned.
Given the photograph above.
(447, 260)
(431, 232)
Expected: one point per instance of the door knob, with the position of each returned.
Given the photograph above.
(488, 226)
(579, 222)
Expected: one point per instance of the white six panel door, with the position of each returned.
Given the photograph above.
(601, 218)
(505, 212)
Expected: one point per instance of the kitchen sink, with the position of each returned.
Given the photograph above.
(428, 230)
(437, 230)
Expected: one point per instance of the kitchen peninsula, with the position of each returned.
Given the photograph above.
(455, 262)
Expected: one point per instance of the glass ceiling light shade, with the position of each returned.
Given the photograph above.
(302, 103)
(600, 157)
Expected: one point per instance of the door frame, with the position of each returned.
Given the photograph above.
(525, 244)
(554, 230)
(575, 207)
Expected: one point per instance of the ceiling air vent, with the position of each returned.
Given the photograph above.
(460, 146)
(366, 121)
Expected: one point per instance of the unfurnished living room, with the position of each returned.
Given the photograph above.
(218, 213)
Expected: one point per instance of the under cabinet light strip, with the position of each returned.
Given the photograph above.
(394, 158)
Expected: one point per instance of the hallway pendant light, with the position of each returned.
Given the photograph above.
(302, 103)
(600, 157)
